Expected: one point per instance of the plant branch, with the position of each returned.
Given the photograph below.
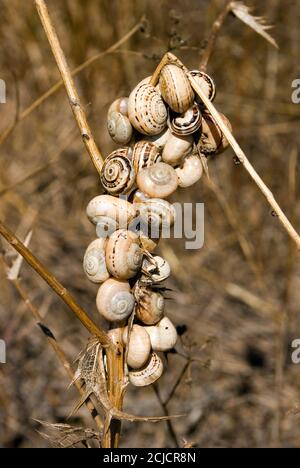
(74, 99)
(57, 287)
(215, 30)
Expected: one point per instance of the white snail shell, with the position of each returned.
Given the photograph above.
(119, 105)
(109, 214)
(148, 374)
(156, 213)
(161, 139)
(150, 305)
(176, 89)
(114, 300)
(124, 255)
(119, 128)
(140, 197)
(144, 154)
(163, 336)
(138, 348)
(94, 264)
(158, 181)
(146, 109)
(117, 174)
(176, 148)
(205, 82)
(190, 172)
(212, 139)
(156, 268)
(188, 122)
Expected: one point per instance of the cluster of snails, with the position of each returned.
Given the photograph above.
(163, 130)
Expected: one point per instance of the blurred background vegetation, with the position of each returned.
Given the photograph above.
(236, 300)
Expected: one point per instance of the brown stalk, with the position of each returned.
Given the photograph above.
(74, 99)
(57, 287)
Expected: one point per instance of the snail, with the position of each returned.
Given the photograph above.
(161, 139)
(148, 374)
(205, 82)
(109, 214)
(114, 300)
(155, 269)
(146, 109)
(163, 335)
(190, 172)
(119, 105)
(117, 174)
(119, 128)
(188, 122)
(94, 262)
(176, 148)
(175, 88)
(124, 255)
(150, 305)
(139, 197)
(158, 181)
(144, 154)
(212, 139)
(156, 214)
(138, 347)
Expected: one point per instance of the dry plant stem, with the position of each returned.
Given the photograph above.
(55, 285)
(76, 106)
(57, 86)
(56, 348)
(215, 30)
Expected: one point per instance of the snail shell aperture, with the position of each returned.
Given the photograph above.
(205, 82)
(212, 139)
(148, 374)
(187, 123)
(176, 89)
(117, 174)
(114, 300)
(124, 255)
(156, 269)
(94, 263)
(158, 181)
(176, 148)
(190, 172)
(139, 346)
(146, 109)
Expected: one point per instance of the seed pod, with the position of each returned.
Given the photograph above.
(138, 348)
(206, 83)
(190, 172)
(109, 214)
(212, 140)
(187, 123)
(176, 148)
(163, 336)
(145, 154)
(119, 105)
(176, 89)
(150, 305)
(158, 181)
(151, 372)
(146, 109)
(94, 264)
(117, 174)
(119, 128)
(124, 255)
(114, 300)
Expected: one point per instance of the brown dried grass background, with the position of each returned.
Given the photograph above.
(243, 388)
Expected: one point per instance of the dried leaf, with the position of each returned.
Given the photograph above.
(66, 436)
(14, 271)
(258, 23)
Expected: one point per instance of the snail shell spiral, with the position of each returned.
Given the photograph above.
(175, 88)
(117, 174)
(156, 213)
(157, 181)
(150, 305)
(114, 300)
(147, 111)
(94, 264)
(119, 128)
(187, 123)
(144, 154)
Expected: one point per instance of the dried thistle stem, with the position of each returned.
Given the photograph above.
(57, 287)
(74, 99)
